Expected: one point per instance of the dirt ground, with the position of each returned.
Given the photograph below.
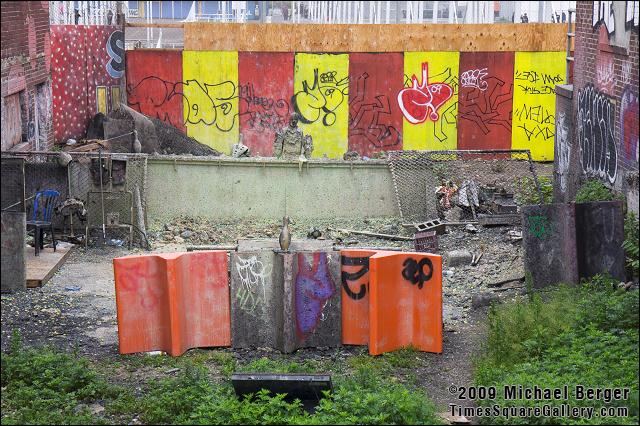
(76, 309)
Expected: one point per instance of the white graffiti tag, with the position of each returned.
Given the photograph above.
(564, 150)
(254, 278)
(474, 78)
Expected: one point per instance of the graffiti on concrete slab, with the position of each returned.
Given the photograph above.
(363, 262)
(629, 129)
(254, 279)
(422, 100)
(313, 288)
(599, 153)
(564, 150)
(318, 100)
(414, 271)
(539, 226)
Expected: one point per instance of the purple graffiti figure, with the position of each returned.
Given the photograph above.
(314, 286)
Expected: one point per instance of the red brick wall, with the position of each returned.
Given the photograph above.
(26, 57)
(613, 73)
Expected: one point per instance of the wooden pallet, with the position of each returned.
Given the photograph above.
(42, 267)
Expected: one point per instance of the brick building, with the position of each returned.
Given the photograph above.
(26, 82)
(601, 140)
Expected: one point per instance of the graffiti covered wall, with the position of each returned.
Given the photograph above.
(87, 66)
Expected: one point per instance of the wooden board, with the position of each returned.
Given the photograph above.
(42, 267)
(534, 37)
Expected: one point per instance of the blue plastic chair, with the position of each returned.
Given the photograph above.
(43, 205)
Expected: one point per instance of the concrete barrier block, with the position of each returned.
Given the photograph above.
(14, 267)
(256, 299)
(172, 302)
(405, 302)
(549, 239)
(311, 315)
(599, 236)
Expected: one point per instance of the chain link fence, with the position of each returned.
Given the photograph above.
(95, 190)
(429, 183)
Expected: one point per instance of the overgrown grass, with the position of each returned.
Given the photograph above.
(630, 244)
(43, 386)
(595, 190)
(586, 335)
(527, 192)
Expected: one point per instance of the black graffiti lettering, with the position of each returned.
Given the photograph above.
(367, 119)
(596, 135)
(414, 271)
(483, 107)
(320, 100)
(352, 276)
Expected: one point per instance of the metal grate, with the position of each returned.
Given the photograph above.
(417, 174)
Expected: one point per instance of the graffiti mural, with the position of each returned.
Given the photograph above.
(485, 100)
(154, 84)
(321, 91)
(375, 120)
(313, 288)
(115, 50)
(603, 12)
(265, 90)
(430, 106)
(80, 63)
(535, 76)
(629, 130)
(210, 101)
(564, 150)
(599, 156)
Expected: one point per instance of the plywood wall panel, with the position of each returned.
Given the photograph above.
(374, 38)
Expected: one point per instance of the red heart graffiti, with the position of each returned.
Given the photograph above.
(423, 100)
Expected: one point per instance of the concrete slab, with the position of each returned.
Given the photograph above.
(13, 254)
(312, 300)
(256, 299)
(600, 233)
(549, 239)
(296, 245)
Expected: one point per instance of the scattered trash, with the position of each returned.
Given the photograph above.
(71, 141)
(115, 242)
(373, 234)
(475, 259)
(471, 229)
(73, 288)
(172, 370)
(515, 235)
(314, 233)
(155, 353)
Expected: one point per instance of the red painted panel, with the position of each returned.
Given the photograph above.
(485, 100)
(81, 61)
(69, 81)
(375, 120)
(154, 80)
(172, 301)
(265, 88)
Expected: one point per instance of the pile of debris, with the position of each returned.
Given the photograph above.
(126, 130)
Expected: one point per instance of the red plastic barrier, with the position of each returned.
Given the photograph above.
(391, 300)
(172, 302)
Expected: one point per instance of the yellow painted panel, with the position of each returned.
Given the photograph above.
(435, 130)
(115, 98)
(210, 101)
(534, 101)
(321, 86)
(101, 99)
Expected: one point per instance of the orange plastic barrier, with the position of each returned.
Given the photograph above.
(391, 300)
(172, 302)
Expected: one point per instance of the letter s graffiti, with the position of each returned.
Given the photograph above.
(115, 49)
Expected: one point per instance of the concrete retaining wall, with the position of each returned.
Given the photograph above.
(227, 188)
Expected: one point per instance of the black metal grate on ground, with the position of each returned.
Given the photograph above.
(417, 174)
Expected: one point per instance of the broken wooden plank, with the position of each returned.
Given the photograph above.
(503, 282)
(42, 267)
(374, 234)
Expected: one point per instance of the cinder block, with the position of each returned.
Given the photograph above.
(256, 299)
(13, 261)
(311, 315)
(172, 302)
